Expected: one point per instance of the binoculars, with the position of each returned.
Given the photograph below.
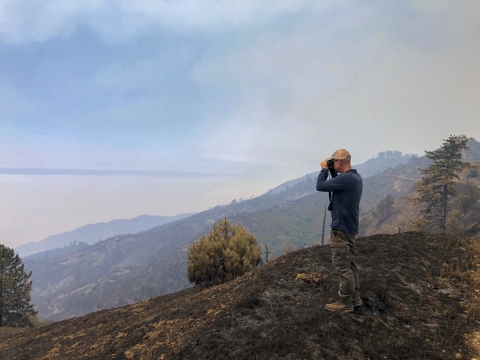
(331, 168)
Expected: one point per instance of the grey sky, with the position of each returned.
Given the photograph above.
(215, 101)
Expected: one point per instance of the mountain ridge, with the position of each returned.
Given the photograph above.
(91, 233)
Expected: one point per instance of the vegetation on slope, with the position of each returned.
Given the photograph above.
(227, 252)
(15, 307)
(420, 293)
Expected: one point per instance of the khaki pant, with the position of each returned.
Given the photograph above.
(342, 245)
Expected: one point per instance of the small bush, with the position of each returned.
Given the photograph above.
(227, 252)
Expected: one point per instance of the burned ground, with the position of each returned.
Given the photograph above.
(420, 293)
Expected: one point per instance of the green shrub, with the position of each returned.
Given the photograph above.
(227, 252)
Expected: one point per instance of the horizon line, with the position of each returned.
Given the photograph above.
(96, 172)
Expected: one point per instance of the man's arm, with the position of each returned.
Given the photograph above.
(322, 177)
(337, 183)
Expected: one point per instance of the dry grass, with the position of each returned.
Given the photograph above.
(464, 267)
(418, 289)
(472, 281)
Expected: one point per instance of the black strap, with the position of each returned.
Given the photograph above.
(333, 174)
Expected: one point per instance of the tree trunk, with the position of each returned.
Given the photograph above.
(444, 209)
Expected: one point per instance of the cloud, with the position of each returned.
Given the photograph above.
(342, 75)
(355, 82)
(34, 21)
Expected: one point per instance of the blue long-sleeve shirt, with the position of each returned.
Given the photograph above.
(346, 191)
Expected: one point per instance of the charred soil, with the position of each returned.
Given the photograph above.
(420, 294)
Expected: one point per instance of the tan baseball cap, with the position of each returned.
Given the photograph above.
(340, 154)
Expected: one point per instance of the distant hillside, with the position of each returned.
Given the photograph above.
(464, 210)
(473, 153)
(95, 232)
(298, 224)
(130, 268)
(48, 255)
(112, 272)
(153, 262)
(418, 304)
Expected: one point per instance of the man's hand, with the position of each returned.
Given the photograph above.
(323, 164)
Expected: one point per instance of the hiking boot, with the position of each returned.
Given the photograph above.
(356, 299)
(339, 306)
(342, 305)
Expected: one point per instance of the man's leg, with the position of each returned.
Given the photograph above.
(357, 301)
(342, 259)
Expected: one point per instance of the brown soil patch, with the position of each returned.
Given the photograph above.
(420, 294)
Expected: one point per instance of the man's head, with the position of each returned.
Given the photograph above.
(342, 160)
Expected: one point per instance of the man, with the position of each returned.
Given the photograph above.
(346, 189)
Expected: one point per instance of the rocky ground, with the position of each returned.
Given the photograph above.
(421, 301)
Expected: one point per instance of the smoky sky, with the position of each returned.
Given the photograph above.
(113, 109)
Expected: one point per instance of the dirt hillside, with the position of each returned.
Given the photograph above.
(421, 301)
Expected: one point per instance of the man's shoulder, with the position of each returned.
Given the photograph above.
(353, 172)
